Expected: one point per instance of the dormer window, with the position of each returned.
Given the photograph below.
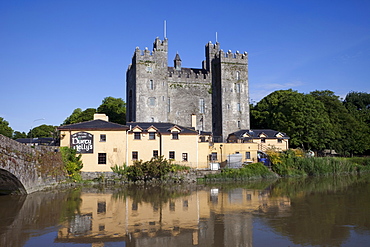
(137, 135)
(175, 136)
(151, 135)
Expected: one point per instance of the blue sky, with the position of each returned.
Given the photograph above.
(56, 56)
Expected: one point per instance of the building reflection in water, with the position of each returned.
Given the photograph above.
(216, 217)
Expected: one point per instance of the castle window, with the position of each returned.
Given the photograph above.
(135, 155)
(169, 105)
(152, 101)
(238, 124)
(201, 105)
(171, 155)
(151, 85)
(238, 107)
(238, 87)
(238, 75)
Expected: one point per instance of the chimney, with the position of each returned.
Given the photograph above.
(194, 121)
(101, 116)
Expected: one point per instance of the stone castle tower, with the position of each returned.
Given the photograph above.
(214, 98)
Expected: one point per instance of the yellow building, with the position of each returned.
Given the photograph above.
(104, 144)
(180, 144)
(266, 138)
(101, 143)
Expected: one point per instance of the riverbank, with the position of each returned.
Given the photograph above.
(290, 166)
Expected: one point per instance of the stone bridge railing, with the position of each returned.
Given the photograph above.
(24, 169)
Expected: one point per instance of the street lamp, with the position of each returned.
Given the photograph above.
(32, 127)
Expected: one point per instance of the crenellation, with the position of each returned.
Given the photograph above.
(189, 91)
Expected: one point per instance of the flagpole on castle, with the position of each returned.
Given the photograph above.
(165, 34)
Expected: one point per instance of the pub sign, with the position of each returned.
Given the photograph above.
(83, 142)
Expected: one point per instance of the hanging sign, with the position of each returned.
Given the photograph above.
(83, 142)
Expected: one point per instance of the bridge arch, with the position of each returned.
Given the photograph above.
(10, 184)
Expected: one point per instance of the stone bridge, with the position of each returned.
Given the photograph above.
(24, 169)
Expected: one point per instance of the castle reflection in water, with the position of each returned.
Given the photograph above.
(206, 217)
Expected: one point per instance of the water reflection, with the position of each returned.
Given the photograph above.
(306, 211)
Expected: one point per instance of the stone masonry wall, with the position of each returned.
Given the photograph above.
(35, 169)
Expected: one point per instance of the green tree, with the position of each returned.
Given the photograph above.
(5, 129)
(299, 115)
(357, 131)
(42, 131)
(351, 135)
(114, 108)
(79, 116)
(18, 135)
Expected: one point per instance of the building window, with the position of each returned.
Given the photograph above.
(151, 135)
(171, 155)
(247, 155)
(238, 87)
(263, 140)
(155, 153)
(152, 101)
(238, 107)
(151, 85)
(213, 156)
(103, 138)
(237, 75)
(169, 105)
(201, 105)
(238, 124)
(184, 156)
(102, 208)
(102, 158)
(135, 155)
(175, 136)
(137, 135)
(279, 140)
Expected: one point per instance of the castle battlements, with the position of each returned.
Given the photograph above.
(243, 57)
(212, 98)
(188, 73)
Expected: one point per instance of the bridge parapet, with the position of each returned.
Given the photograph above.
(24, 170)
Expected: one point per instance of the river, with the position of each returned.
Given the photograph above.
(318, 211)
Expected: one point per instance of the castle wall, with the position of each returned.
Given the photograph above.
(190, 94)
(234, 92)
(217, 94)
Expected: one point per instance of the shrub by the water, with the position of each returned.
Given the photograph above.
(290, 164)
(72, 163)
(156, 168)
(255, 170)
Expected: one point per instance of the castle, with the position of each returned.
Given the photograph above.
(213, 99)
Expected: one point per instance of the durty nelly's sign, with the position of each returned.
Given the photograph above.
(83, 142)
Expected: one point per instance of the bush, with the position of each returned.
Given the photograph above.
(156, 168)
(72, 163)
(295, 164)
